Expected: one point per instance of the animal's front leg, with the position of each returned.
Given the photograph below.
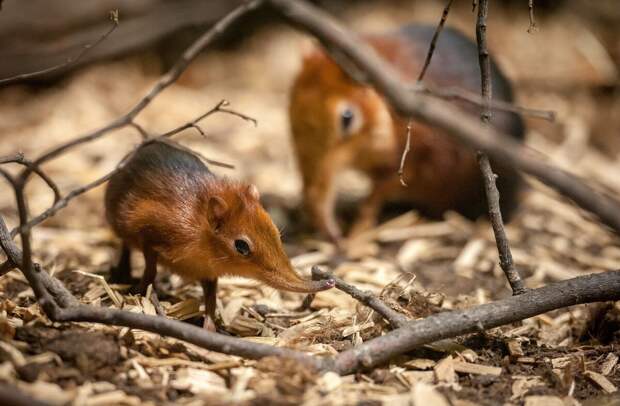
(209, 289)
(320, 200)
(371, 207)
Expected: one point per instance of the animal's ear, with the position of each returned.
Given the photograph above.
(217, 212)
(252, 192)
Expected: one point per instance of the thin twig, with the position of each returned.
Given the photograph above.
(427, 61)
(431, 48)
(492, 194)
(17, 157)
(403, 157)
(532, 28)
(441, 114)
(457, 93)
(486, 88)
(73, 60)
(143, 133)
(495, 216)
(218, 108)
(23, 257)
(395, 319)
(199, 155)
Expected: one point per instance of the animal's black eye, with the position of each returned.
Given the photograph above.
(242, 247)
(346, 119)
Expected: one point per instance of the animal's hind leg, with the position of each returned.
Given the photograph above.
(150, 270)
(121, 273)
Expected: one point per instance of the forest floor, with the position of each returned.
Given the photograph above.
(418, 266)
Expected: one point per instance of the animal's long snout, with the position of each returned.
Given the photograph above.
(288, 279)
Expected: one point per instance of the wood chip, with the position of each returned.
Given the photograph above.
(444, 370)
(199, 381)
(476, 369)
(561, 362)
(329, 382)
(610, 362)
(440, 229)
(469, 255)
(420, 363)
(412, 251)
(116, 298)
(522, 384)
(419, 376)
(514, 348)
(424, 394)
(357, 328)
(601, 381)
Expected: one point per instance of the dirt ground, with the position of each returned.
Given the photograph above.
(418, 266)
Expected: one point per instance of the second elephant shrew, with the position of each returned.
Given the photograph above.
(338, 123)
(166, 203)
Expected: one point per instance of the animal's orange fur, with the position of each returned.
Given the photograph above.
(165, 201)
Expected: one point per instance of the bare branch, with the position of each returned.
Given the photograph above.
(455, 93)
(427, 61)
(367, 298)
(495, 216)
(492, 194)
(584, 289)
(218, 108)
(23, 257)
(143, 133)
(484, 60)
(68, 62)
(443, 115)
(17, 157)
(166, 80)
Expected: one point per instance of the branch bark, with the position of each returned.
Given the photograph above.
(443, 115)
(492, 194)
(431, 48)
(585, 289)
(367, 298)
